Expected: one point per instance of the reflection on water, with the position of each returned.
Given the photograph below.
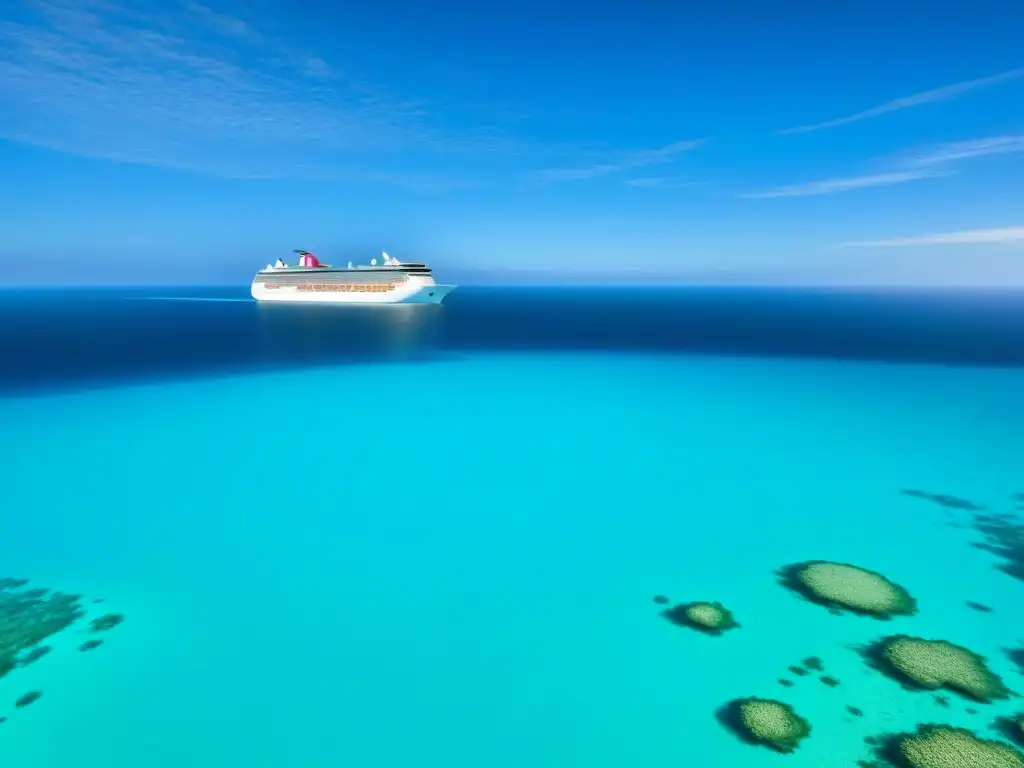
(60, 339)
(323, 333)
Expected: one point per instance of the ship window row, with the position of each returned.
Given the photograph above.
(347, 287)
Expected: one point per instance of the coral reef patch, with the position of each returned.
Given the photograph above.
(934, 664)
(710, 618)
(840, 586)
(30, 616)
(943, 746)
(766, 722)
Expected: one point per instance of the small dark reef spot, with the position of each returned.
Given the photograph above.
(830, 681)
(855, 711)
(785, 683)
(660, 600)
(33, 655)
(106, 622)
(1016, 655)
(28, 698)
(798, 671)
(813, 663)
(944, 500)
(89, 645)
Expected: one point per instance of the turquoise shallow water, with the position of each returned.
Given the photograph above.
(453, 563)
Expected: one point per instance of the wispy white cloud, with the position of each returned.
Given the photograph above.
(181, 85)
(623, 162)
(952, 152)
(833, 186)
(1001, 235)
(945, 93)
(934, 162)
(224, 24)
(660, 182)
(314, 66)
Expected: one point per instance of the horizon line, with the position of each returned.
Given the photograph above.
(835, 286)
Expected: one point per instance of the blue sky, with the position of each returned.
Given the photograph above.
(755, 141)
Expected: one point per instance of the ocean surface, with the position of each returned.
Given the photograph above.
(393, 537)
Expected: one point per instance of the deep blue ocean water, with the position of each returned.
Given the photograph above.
(431, 536)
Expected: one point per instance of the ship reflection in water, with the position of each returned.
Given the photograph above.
(326, 333)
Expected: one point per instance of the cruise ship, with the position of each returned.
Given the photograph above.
(391, 282)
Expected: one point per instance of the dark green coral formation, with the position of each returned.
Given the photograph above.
(934, 664)
(28, 617)
(1004, 538)
(709, 618)
(942, 746)
(1016, 656)
(1012, 727)
(767, 722)
(840, 586)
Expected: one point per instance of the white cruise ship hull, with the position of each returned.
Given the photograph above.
(414, 290)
